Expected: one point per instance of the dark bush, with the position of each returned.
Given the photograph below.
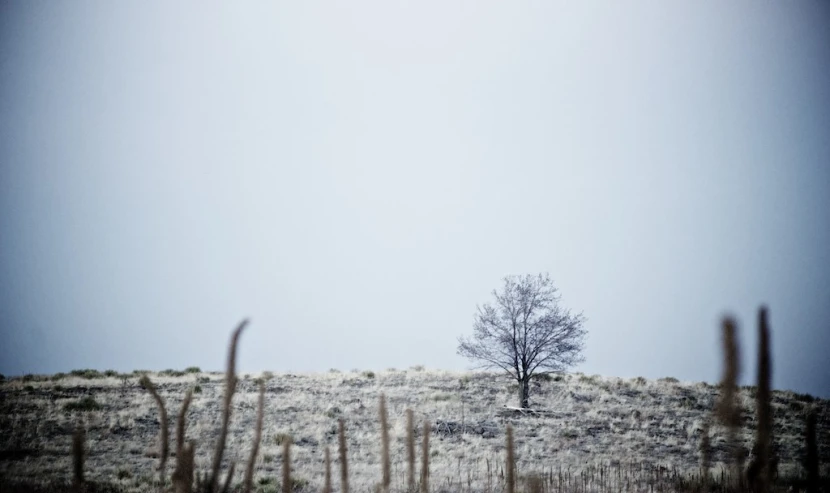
(86, 404)
(87, 373)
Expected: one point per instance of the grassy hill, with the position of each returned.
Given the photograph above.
(596, 433)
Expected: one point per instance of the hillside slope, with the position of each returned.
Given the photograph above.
(591, 421)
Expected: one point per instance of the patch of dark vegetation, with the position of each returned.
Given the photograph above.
(87, 373)
(193, 369)
(172, 373)
(85, 404)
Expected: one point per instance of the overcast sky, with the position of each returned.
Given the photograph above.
(355, 177)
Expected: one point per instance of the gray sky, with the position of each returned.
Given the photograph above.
(356, 177)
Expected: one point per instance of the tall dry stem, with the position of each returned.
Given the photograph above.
(384, 437)
(760, 473)
(181, 423)
(230, 387)
(164, 446)
(226, 488)
(286, 466)
(327, 486)
(425, 459)
(78, 439)
(344, 460)
(183, 473)
(249, 471)
(410, 452)
(727, 409)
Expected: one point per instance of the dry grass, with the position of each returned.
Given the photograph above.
(574, 443)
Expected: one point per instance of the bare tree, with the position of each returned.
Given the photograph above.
(526, 332)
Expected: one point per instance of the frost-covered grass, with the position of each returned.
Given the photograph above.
(592, 422)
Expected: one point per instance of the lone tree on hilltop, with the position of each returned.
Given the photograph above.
(526, 332)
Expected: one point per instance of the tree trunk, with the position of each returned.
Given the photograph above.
(524, 393)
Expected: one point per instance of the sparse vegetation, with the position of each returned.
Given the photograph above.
(193, 369)
(517, 466)
(281, 438)
(368, 374)
(172, 373)
(87, 403)
(88, 374)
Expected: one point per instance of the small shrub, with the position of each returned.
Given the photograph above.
(124, 474)
(28, 377)
(334, 412)
(543, 377)
(58, 388)
(138, 373)
(110, 373)
(267, 375)
(268, 458)
(87, 373)
(804, 397)
(669, 380)
(417, 367)
(203, 380)
(281, 438)
(587, 379)
(29, 388)
(172, 373)
(58, 376)
(298, 484)
(193, 369)
(369, 374)
(86, 404)
(570, 434)
(197, 389)
(441, 397)
(640, 381)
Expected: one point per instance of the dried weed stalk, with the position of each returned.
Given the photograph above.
(230, 388)
(510, 464)
(384, 437)
(286, 466)
(425, 459)
(410, 452)
(344, 461)
(78, 439)
(164, 446)
(249, 472)
(727, 408)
